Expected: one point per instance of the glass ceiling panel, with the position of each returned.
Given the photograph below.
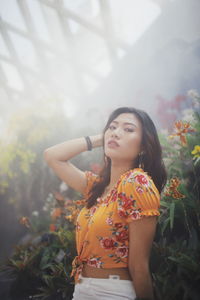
(89, 10)
(3, 47)
(25, 50)
(11, 13)
(35, 9)
(12, 76)
(54, 27)
(74, 46)
(131, 18)
(91, 49)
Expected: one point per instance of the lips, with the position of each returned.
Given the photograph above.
(113, 143)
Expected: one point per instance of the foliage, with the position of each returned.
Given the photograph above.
(45, 259)
(25, 182)
(176, 251)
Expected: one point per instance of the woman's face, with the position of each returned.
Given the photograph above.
(122, 139)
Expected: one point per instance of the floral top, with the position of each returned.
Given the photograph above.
(102, 231)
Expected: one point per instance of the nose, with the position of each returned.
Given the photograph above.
(116, 133)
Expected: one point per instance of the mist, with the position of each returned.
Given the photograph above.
(93, 56)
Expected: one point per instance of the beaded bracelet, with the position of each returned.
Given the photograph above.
(89, 143)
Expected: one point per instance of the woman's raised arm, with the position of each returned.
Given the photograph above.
(58, 156)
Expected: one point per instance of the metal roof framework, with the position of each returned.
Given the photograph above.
(83, 73)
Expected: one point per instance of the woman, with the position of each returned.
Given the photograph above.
(116, 227)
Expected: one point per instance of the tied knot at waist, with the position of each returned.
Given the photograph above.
(77, 267)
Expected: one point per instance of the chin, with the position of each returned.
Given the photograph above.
(113, 155)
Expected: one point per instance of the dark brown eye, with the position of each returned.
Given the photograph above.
(129, 129)
(111, 127)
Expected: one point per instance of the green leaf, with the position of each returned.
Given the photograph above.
(165, 223)
(171, 214)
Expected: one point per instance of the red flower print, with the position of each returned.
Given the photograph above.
(114, 196)
(141, 179)
(94, 262)
(128, 203)
(109, 221)
(135, 215)
(122, 236)
(139, 190)
(107, 243)
(78, 227)
(122, 214)
(122, 251)
(118, 225)
(92, 210)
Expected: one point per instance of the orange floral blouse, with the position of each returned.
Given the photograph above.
(102, 238)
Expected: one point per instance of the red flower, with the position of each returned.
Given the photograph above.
(139, 190)
(109, 221)
(141, 179)
(118, 225)
(122, 251)
(135, 214)
(107, 243)
(92, 210)
(128, 204)
(114, 196)
(122, 214)
(78, 227)
(94, 262)
(122, 236)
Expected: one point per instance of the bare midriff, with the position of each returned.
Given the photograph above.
(89, 271)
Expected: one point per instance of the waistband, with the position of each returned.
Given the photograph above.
(115, 278)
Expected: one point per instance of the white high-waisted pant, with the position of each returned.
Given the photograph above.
(103, 289)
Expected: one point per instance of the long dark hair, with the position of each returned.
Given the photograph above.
(152, 158)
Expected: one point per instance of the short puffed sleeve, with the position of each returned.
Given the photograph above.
(91, 178)
(137, 196)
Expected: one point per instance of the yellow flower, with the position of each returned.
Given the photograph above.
(196, 151)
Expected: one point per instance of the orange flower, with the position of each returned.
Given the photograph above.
(80, 202)
(172, 191)
(180, 130)
(52, 227)
(56, 213)
(25, 221)
(69, 218)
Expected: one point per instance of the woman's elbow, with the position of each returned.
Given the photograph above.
(46, 155)
(138, 267)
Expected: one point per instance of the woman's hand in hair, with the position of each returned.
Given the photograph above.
(97, 140)
(58, 156)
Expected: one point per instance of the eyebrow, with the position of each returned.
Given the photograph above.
(125, 123)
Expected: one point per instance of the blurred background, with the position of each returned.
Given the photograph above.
(65, 65)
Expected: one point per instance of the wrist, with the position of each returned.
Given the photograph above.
(97, 140)
(89, 143)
